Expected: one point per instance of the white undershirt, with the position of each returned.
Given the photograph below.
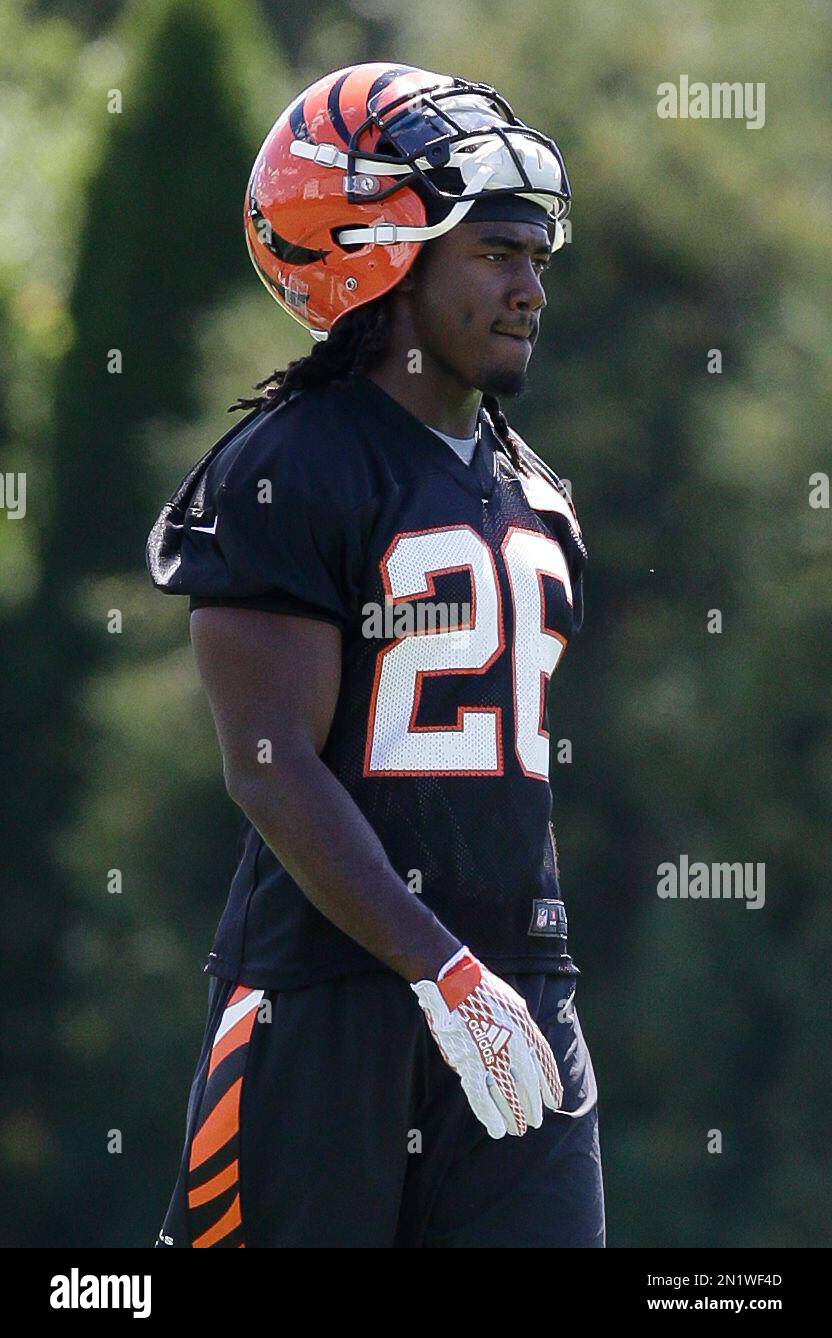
(464, 447)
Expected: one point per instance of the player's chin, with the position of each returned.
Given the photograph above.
(502, 379)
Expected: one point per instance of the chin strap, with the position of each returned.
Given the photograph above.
(388, 234)
(329, 155)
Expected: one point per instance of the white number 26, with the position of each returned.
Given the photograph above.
(471, 745)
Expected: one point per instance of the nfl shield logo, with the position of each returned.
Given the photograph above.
(549, 919)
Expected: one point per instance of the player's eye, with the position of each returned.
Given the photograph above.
(540, 265)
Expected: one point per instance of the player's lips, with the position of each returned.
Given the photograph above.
(525, 334)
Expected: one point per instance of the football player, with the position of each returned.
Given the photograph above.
(383, 577)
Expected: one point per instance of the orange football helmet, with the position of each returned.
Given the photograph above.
(346, 186)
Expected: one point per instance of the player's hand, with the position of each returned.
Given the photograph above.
(486, 1033)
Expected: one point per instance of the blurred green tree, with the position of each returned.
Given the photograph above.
(40, 149)
(173, 101)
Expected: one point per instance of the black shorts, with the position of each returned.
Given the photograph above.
(326, 1117)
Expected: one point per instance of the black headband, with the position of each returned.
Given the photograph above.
(513, 208)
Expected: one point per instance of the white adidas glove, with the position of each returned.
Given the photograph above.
(486, 1033)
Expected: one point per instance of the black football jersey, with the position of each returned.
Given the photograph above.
(457, 588)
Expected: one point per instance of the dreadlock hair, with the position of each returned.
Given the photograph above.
(353, 348)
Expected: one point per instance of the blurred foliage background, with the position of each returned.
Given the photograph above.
(121, 230)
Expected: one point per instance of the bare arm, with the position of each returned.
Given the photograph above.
(277, 677)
